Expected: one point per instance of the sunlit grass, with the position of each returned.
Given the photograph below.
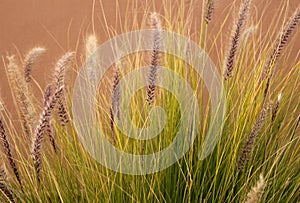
(72, 175)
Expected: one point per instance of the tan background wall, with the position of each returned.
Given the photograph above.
(59, 24)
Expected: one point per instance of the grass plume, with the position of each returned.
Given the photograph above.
(235, 40)
(4, 187)
(60, 70)
(256, 191)
(91, 45)
(280, 43)
(116, 95)
(49, 128)
(21, 92)
(156, 24)
(248, 146)
(7, 151)
(90, 48)
(209, 10)
(62, 112)
(41, 127)
(29, 60)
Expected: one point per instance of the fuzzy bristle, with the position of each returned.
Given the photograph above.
(7, 151)
(256, 192)
(29, 60)
(248, 146)
(116, 95)
(279, 45)
(41, 128)
(156, 24)
(61, 66)
(49, 127)
(62, 112)
(90, 45)
(155, 21)
(20, 89)
(281, 41)
(60, 70)
(92, 62)
(47, 94)
(209, 10)
(237, 32)
(4, 186)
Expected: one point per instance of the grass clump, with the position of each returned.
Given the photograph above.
(260, 139)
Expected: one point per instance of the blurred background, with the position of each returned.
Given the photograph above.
(63, 25)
